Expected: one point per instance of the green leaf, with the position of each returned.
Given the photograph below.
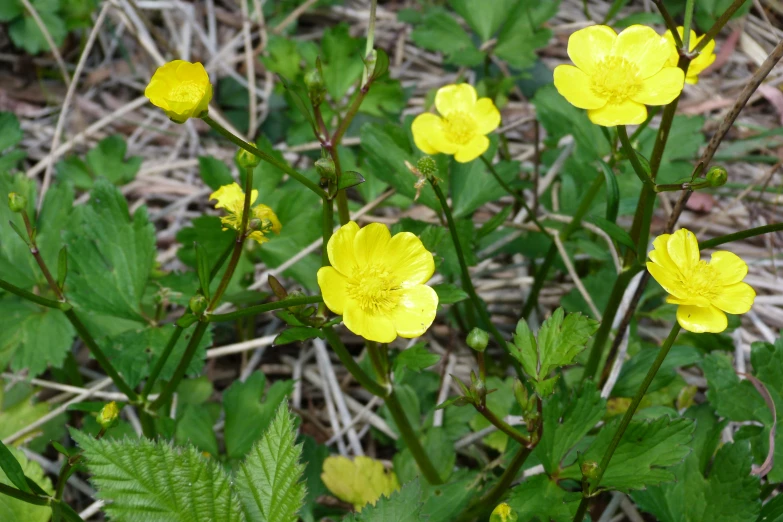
(612, 192)
(17, 411)
(444, 502)
(350, 179)
(646, 449)
(16, 264)
(176, 485)
(107, 159)
(635, 370)
(214, 172)
(416, 358)
(538, 498)
(195, 425)
(404, 505)
(342, 60)
(472, 185)
(12, 469)
(10, 130)
(24, 32)
(282, 57)
(524, 348)
(449, 293)
(13, 510)
(561, 338)
(269, 481)
(296, 334)
(439, 31)
(202, 269)
(735, 400)
(523, 35)
(483, 18)
(110, 254)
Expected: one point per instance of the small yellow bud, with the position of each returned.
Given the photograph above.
(503, 513)
(478, 339)
(108, 415)
(182, 89)
(717, 176)
(198, 304)
(247, 160)
(17, 202)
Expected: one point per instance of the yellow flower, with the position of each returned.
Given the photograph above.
(360, 481)
(232, 198)
(617, 75)
(376, 282)
(698, 64)
(503, 513)
(462, 126)
(181, 89)
(704, 290)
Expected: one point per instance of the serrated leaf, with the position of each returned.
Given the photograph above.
(416, 358)
(214, 173)
(523, 34)
(483, 18)
(525, 349)
(146, 481)
(269, 481)
(404, 505)
(635, 370)
(439, 31)
(110, 254)
(10, 131)
(13, 510)
(108, 160)
(342, 60)
(202, 269)
(297, 334)
(538, 498)
(25, 33)
(561, 338)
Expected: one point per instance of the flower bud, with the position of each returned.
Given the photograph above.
(503, 513)
(247, 160)
(717, 176)
(325, 168)
(522, 395)
(17, 202)
(198, 304)
(478, 339)
(316, 89)
(108, 415)
(590, 469)
(427, 166)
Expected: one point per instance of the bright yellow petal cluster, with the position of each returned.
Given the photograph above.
(698, 64)
(704, 290)
(503, 513)
(232, 199)
(181, 89)
(376, 282)
(616, 75)
(462, 126)
(360, 481)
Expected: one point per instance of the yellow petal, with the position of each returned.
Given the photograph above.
(359, 482)
(660, 253)
(267, 217)
(472, 150)
(455, 98)
(423, 128)
(340, 248)
(588, 46)
(370, 243)
(378, 328)
(333, 288)
(683, 249)
(699, 319)
(439, 141)
(674, 56)
(693, 300)
(731, 268)
(416, 311)
(626, 113)
(574, 85)
(668, 280)
(735, 299)
(182, 89)
(642, 46)
(408, 260)
(705, 58)
(661, 88)
(486, 116)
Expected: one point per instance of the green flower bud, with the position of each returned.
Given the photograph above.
(590, 469)
(198, 304)
(478, 339)
(17, 202)
(316, 89)
(108, 415)
(247, 160)
(717, 176)
(503, 513)
(427, 166)
(325, 168)
(522, 396)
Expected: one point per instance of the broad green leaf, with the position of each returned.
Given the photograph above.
(214, 172)
(24, 31)
(416, 358)
(772, 511)
(313, 456)
(146, 481)
(522, 35)
(449, 293)
(738, 401)
(18, 410)
(538, 498)
(561, 338)
(444, 502)
(16, 263)
(524, 349)
(342, 60)
(269, 480)
(106, 159)
(13, 510)
(297, 334)
(195, 426)
(110, 254)
(635, 370)
(472, 185)
(12, 469)
(282, 57)
(439, 31)
(10, 130)
(483, 18)
(404, 505)
(360, 481)
(646, 450)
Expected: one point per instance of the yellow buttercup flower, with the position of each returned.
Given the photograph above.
(360, 481)
(181, 89)
(462, 126)
(232, 199)
(503, 513)
(376, 282)
(704, 290)
(700, 62)
(616, 75)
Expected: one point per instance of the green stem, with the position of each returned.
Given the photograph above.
(173, 338)
(343, 214)
(96, 352)
(718, 25)
(264, 156)
(376, 359)
(738, 236)
(370, 39)
(267, 307)
(351, 365)
(631, 153)
(551, 255)
(493, 496)
(467, 284)
(326, 230)
(411, 440)
(502, 425)
(182, 367)
(686, 25)
(24, 496)
(37, 299)
(671, 25)
(628, 416)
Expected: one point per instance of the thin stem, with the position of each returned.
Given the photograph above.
(96, 352)
(24, 496)
(628, 416)
(370, 39)
(173, 338)
(182, 367)
(738, 236)
(327, 225)
(376, 359)
(343, 213)
(411, 440)
(686, 25)
(267, 307)
(38, 259)
(502, 425)
(264, 156)
(642, 174)
(718, 25)
(37, 299)
(466, 281)
(671, 25)
(551, 255)
(351, 365)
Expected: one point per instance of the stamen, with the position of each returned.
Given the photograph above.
(615, 79)
(373, 288)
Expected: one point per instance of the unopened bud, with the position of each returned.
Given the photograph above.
(478, 339)
(325, 168)
(522, 395)
(17, 202)
(427, 166)
(255, 224)
(247, 160)
(316, 89)
(503, 513)
(717, 176)
(478, 389)
(198, 304)
(108, 415)
(590, 469)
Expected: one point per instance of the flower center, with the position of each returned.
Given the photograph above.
(700, 280)
(459, 127)
(615, 79)
(373, 288)
(186, 92)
